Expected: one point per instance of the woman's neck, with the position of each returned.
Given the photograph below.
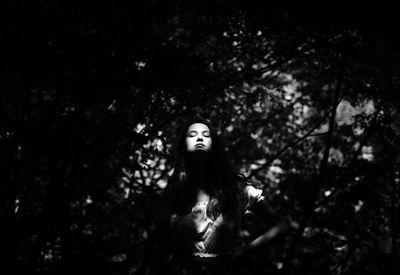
(199, 178)
(198, 170)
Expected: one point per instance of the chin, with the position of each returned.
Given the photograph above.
(200, 151)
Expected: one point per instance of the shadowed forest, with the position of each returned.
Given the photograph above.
(93, 96)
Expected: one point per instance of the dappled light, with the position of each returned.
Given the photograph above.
(93, 99)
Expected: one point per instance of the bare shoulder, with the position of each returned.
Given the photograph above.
(252, 193)
(256, 200)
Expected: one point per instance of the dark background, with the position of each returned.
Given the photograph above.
(93, 96)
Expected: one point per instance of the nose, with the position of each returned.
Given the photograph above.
(199, 139)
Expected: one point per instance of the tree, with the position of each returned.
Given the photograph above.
(93, 97)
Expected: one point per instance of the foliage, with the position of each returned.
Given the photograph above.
(94, 95)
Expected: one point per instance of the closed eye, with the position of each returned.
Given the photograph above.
(194, 133)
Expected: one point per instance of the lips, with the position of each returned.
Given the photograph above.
(200, 145)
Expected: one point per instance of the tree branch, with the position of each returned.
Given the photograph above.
(321, 178)
(284, 149)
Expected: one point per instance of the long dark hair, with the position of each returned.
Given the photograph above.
(224, 183)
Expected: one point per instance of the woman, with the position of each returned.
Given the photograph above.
(206, 199)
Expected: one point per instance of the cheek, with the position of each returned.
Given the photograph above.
(189, 143)
(209, 143)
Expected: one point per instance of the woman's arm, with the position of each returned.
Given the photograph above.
(280, 227)
(159, 256)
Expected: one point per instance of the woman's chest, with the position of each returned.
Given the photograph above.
(199, 211)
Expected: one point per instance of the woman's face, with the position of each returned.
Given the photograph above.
(198, 137)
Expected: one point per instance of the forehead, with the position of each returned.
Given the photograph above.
(199, 127)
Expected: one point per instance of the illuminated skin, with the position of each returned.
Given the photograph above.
(218, 233)
(198, 137)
